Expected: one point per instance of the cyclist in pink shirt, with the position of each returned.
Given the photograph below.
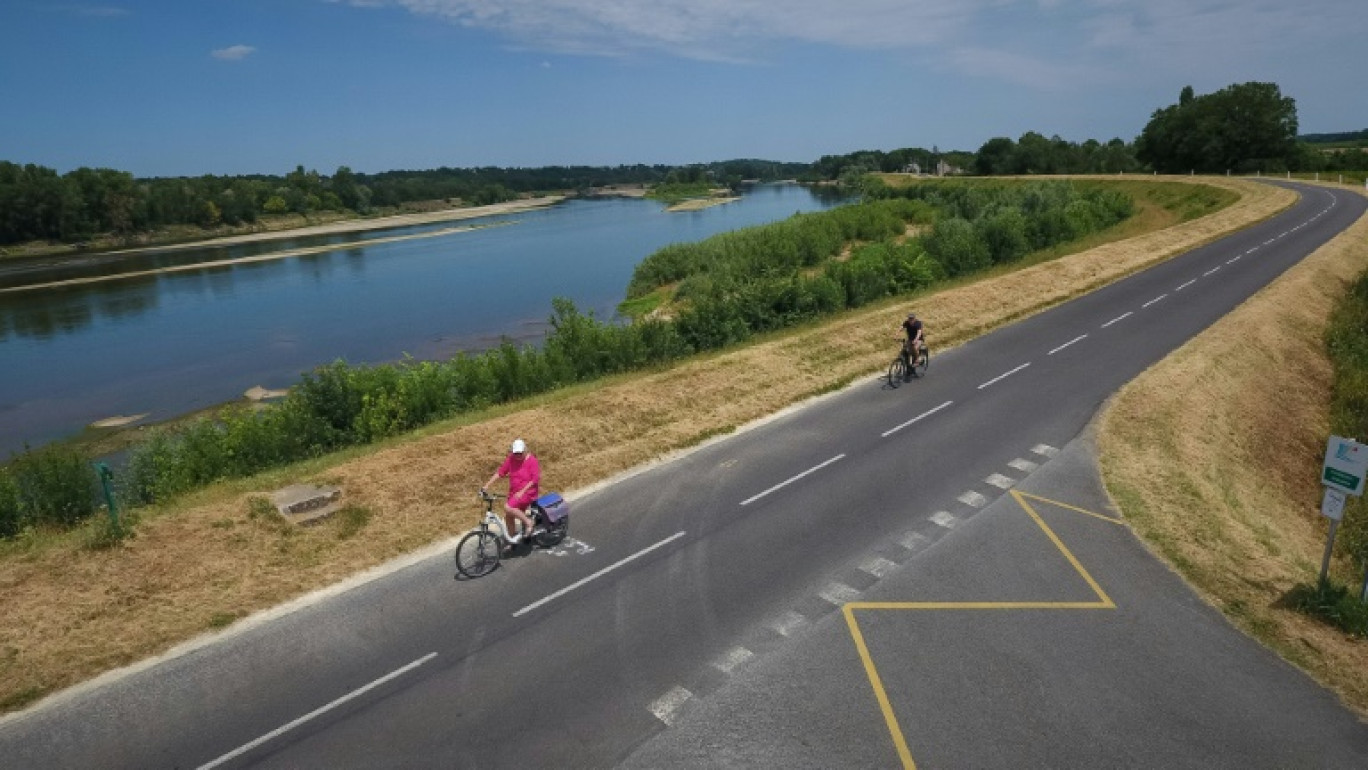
(524, 474)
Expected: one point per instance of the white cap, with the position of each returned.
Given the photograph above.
(519, 446)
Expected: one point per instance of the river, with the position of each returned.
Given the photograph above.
(171, 343)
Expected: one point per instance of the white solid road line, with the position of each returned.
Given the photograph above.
(246, 747)
(1005, 375)
(600, 573)
(927, 413)
(783, 484)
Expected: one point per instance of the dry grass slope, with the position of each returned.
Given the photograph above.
(71, 613)
(1214, 455)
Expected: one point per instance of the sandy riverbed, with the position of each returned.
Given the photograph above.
(361, 225)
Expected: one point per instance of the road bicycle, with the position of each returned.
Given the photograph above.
(898, 371)
(479, 551)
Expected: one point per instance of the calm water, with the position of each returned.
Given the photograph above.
(173, 343)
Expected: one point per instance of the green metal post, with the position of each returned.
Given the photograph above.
(106, 479)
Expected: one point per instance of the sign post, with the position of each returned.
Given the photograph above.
(1345, 467)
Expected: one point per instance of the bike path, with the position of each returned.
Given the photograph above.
(1038, 631)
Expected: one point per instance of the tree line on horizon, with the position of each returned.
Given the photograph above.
(1244, 128)
(37, 203)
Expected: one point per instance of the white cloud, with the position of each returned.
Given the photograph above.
(233, 52)
(1024, 42)
(704, 29)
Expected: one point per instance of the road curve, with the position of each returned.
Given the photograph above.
(720, 587)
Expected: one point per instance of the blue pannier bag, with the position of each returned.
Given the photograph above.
(555, 506)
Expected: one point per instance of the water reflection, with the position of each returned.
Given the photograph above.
(173, 342)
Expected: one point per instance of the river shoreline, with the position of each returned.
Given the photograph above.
(338, 227)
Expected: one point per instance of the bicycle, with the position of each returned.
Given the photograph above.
(898, 371)
(480, 550)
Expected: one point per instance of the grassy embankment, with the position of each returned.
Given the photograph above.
(211, 559)
(1215, 453)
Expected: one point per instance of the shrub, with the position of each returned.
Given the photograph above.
(54, 486)
(1334, 604)
(11, 515)
(954, 244)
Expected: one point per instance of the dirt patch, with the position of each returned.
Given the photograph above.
(1214, 456)
(71, 613)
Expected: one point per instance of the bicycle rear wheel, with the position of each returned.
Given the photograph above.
(897, 371)
(478, 553)
(923, 362)
(554, 533)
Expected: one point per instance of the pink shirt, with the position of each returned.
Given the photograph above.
(521, 470)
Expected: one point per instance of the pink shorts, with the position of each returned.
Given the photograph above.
(522, 501)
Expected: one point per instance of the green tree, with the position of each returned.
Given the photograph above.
(1243, 127)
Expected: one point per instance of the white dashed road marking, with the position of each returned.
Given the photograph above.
(1026, 466)
(1000, 481)
(1003, 376)
(598, 574)
(1118, 318)
(913, 541)
(1151, 302)
(666, 705)
(783, 484)
(789, 623)
(1184, 286)
(927, 413)
(1065, 345)
(839, 594)
(943, 519)
(973, 498)
(246, 747)
(733, 658)
(878, 566)
(1044, 450)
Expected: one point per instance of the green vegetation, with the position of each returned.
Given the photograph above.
(1342, 139)
(733, 285)
(36, 203)
(54, 486)
(1333, 604)
(681, 191)
(730, 288)
(1244, 128)
(1346, 341)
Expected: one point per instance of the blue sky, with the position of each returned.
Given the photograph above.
(189, 87)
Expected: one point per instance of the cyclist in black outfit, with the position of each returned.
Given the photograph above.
(912, 347)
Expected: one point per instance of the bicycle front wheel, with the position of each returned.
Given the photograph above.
(478, 553)
(897, 371)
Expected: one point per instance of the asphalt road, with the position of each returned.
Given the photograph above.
(851, 584)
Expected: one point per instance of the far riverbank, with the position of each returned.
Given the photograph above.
(287, 229)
